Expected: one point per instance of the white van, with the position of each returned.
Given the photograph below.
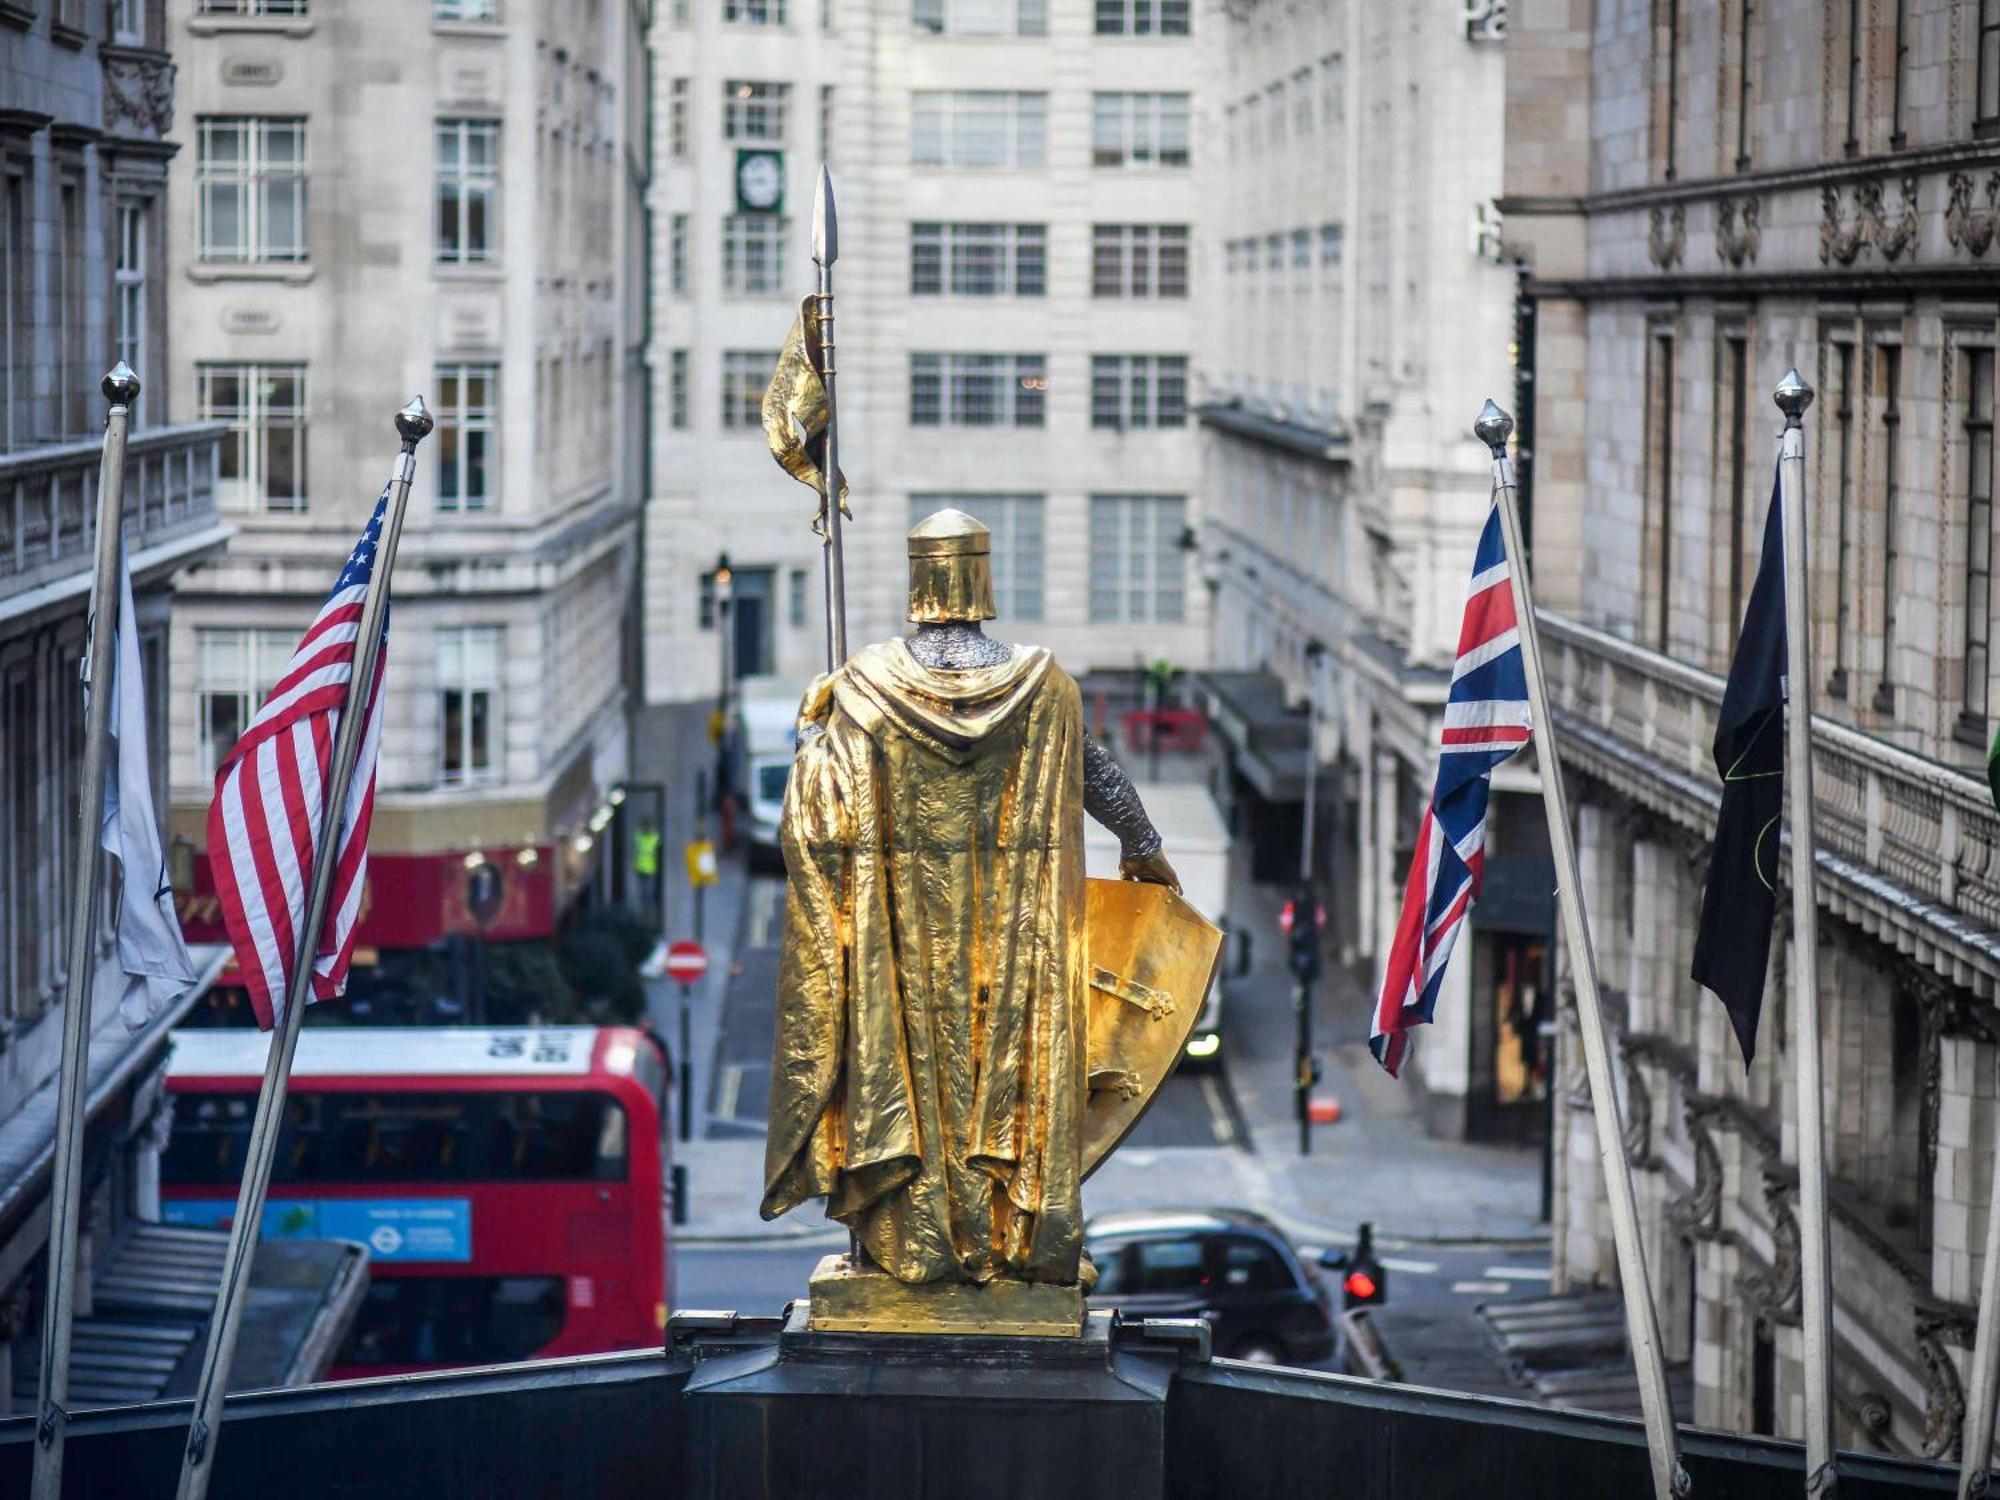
(1195, 838)
(767, 713)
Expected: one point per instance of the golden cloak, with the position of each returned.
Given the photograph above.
(928, 1068)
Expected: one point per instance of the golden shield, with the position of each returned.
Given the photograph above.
(1151, 958)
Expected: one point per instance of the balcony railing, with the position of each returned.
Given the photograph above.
(1930, 830)
(48, 499)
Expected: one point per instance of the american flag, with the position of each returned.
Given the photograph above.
(1485, 721)
(264, 825)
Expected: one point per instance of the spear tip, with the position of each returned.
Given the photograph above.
(826, 225)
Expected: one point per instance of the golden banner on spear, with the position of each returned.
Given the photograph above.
(796, 409)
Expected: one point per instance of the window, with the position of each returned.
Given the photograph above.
(978, 390)
(1168, 1265)
(1843, 507)
(469, 659)
(677, 390)
(1138, 390)
(1142, 17)
(1330, 244)
(128, 28)
(1986, 112)
(1016, 524)
(1900, 69)
(17, 274)
(73, 385)
(1139, 260)
(1745, 14)
(465, 10)
(1657, 541)
(250, 183)
(1136, 562)
(1252, 1266)
(795, 598)
(129, 277)
(1855, 58)
(978, 128)
(264, 452)
(1745, 539)
(1666, 86)
(1139, 130)
(253, 7)
(753, 111)
(745, 374)
(1302, 101)
(468, 395)
(233, 670)
(1301, 249)
(459, 1320)
(677, 255)
(753, 253)
(978, 260)
(677, 118)
(468, 180)
(981, 17)
(1889, 369)
(1978, 537)
(754, 12)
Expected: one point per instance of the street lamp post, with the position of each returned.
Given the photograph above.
(1305, 910)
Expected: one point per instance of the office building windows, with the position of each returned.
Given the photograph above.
(978, 128)
(1978, 437)
(754, 111)
(745, 374)
(233, 669)
(677, 390)
(1142, 17)
(129, 279)
(1137, 566)
(468, 397)
(469, 658)
(250, 187)
(754, 12)
(753, 254)
(981, 17)
(1138, 390)
(468, 184)
(978, 260)
(978, 390)
(264, 451)
(1139, 260)
(1139, 130)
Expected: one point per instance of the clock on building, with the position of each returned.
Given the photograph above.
(760, 181)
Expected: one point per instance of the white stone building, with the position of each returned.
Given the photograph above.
(1016, 187)
(1704, 196)
(376, 198)
(1353, 320)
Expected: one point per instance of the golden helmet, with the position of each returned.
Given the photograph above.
(951, 569)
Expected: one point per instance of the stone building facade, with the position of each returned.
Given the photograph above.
(1354, 317)
(1016, 188)
(379, 198)
(1702, 196)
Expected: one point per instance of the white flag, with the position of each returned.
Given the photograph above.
(151, 950)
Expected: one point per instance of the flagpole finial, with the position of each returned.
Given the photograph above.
(826, 225)
(1493, 427)
(1793, 396)
(121, 385)
(413, 422)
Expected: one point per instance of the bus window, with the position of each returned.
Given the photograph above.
(459, 1320)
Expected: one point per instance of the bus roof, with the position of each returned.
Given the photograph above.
(393, 1052)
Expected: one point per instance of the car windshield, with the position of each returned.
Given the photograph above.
(771, 782)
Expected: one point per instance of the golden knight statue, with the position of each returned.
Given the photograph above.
(963, 1030)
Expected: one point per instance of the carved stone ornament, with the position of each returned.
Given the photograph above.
(1666, 236)
(1775, 1293)
(1698, 1211)
(1898, 236)
(138, 96)
(1737, 232)
(1873, 1415)
(1944, 1396)
(1893, 233)
(1968, 228)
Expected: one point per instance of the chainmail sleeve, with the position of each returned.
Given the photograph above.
(1110, 797)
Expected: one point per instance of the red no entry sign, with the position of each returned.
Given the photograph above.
(686, 961)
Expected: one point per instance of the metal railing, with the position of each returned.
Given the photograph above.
(1928, 827)
(48, 498)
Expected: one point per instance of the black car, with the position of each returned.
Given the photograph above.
(1228, 1265)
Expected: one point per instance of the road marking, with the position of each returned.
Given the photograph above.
(1412, 1267)
(1517, 1273)
(727, 1090)
(1480, 1288)
(1218, 1113)
(761, 912)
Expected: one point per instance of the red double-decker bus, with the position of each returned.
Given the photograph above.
(507, 1182)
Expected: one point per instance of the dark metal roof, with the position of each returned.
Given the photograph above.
(1329, 445)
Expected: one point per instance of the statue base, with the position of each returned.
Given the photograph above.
(866, 1299)
(897, 1416)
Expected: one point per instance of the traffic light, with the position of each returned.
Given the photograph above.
(1366, 1281)
(1305, 938)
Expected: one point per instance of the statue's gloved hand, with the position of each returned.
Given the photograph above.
(1152, 868)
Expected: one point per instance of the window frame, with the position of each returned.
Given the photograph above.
(947, 388)
(944, 123)
(252, 179)
(1137, 579)
(1135, 130)
(1136, 385)
(251, 421)
(466, 187)
(756, 111)
(755, 254)
(462, 426)
(955, 251)
(746, 373)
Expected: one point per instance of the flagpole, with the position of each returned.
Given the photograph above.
(1642, 1324)
(1793, 396)
(826, 250)
(121, 389)
(413, 423)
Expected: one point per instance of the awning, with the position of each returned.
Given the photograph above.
(1266, 737)
(151, 1303)
(1329, 445)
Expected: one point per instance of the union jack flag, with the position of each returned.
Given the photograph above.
(264, 826)
(1485, 721)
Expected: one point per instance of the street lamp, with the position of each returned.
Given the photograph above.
(1306, 938)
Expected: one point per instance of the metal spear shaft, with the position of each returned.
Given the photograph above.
(826, 249)
(413, 422)
(121, 389)
(1642, 1323)
(1793, 396)
(1973, 1475)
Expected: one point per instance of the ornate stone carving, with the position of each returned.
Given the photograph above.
(1944, 1396)
(1897, 236)
(1968, 228)
(1894, 234)
(1872, 1414)
(138, 95)
(1638, 1136)
(1737, 231)
(1666, 236)
(1838, 241)
(1775, 1293)
(1698, 1211)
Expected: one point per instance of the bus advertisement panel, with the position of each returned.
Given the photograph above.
(507, 1182)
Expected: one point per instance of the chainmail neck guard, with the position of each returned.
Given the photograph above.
(956, 647)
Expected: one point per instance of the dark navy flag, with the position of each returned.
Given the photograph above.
(1733, 948)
